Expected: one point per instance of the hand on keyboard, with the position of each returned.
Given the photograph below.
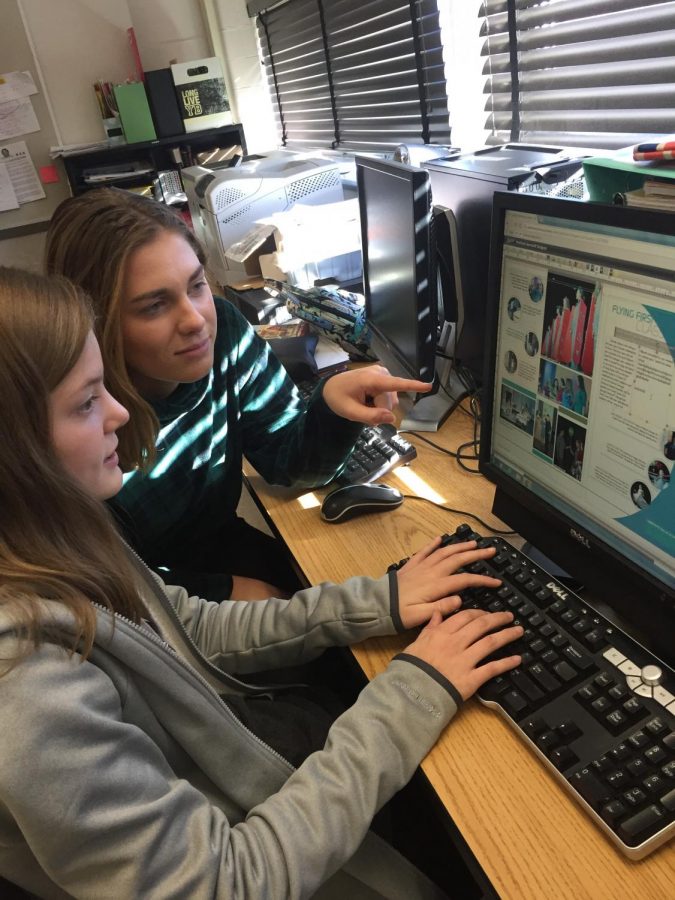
(431, 580)
(457, 646)
(594, 704)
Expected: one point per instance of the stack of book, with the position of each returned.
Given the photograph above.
(654, 194)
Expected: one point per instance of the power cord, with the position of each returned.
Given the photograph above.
(455, 454)
(461, 512)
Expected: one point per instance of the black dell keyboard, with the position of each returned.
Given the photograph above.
(594, 705)
(378, 450)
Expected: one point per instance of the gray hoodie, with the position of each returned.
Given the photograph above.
(127, 776)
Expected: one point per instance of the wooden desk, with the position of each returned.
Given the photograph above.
(530, 837)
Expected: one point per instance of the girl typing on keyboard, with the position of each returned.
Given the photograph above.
(126, 764)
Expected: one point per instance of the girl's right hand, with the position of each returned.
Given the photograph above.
(456, 646)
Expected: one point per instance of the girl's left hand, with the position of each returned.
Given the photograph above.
(430, 580)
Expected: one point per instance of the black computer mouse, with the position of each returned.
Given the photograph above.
(355, 499)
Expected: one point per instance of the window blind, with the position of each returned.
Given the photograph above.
(578, 72)
(362, 76)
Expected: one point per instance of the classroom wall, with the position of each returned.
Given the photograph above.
(77, 42)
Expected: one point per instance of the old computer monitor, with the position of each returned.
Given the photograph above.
(400, 280)
(578, 426)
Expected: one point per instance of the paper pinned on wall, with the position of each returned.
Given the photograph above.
(14, 85)
(17, 117)
(7, 196)
(22, 173)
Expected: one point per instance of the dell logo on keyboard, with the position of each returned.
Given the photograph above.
(552, 586)
(580, 538)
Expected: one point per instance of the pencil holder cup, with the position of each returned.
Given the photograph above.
(113, 130)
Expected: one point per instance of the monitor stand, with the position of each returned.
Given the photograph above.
(429, 412)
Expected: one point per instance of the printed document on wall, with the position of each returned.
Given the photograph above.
(17, 117)
(7, 196)
(21, 170)
(15, 85)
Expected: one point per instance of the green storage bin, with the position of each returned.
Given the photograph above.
(609, 175)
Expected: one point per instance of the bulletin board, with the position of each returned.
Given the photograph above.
(16, 55)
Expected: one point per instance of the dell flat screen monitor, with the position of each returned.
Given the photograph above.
(399, 276)
(579, 403)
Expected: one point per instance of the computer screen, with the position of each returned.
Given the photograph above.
(579, 402)
(399, 276)
(400, 279)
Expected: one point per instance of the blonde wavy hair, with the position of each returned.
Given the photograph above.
(90, 240)
(56, 542)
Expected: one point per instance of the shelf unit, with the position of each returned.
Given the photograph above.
(158, 156)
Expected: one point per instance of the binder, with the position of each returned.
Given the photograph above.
(134, 112)
(163, 103)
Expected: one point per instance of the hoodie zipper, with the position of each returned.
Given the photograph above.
(156, 639)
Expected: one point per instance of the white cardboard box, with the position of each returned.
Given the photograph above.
(303, 244)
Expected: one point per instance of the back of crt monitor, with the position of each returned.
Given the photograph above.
(225, 203)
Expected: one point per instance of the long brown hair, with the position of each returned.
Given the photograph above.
(90, 240)
(56, 542)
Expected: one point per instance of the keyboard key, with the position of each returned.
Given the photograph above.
(602, 765)
(634, 708)
(547, 741)
(565, 671)
(586, 694)
(514, 702)
(595, 639)
(639, 739)
(656, 726)
(617, 779)
(525, 685)
(594, 792)
(619, 692)
(655, 755)
(634, 797)
(655, 784)
(616, 721)
(620, 752)
(500, 560)
(495, 687)
(578, 658)
(637, 767)
(569, 730)
(562, 758)
(668, 800)
(534, 726)
(543, 677)
(603, 680)
(544, 597)
(600, 705)
(645, 820)
(613, 811)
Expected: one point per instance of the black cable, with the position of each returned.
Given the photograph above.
(455, 454)
(461, 512)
